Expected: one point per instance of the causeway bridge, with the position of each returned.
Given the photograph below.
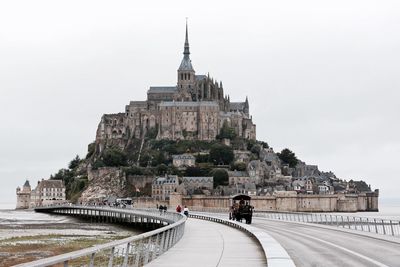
(210, 239)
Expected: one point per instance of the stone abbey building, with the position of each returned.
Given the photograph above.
(193, 109)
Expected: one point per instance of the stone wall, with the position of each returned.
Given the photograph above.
(288, 202)
(148, 202)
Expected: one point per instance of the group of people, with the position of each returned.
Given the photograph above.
(162, 208)
(179, 209)
(185, 210)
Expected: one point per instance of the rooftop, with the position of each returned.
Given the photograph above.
(162, 89)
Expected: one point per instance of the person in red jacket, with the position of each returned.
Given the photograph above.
(178, 209)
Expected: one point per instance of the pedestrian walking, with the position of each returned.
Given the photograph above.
(178, 209)
(186, 211)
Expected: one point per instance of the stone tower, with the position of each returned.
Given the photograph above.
(186, 75)
(24, 196)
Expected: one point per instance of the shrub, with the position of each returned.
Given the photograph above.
(114, 157)
(220, 176)
(221, 154)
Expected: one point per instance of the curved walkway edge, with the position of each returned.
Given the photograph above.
(276, 255)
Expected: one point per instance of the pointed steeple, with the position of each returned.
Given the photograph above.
(186, 64)
(186, 51)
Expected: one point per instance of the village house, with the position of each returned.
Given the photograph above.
(162, 187)
(183, 160)
(47, 192)
(238, 177)
(193, 183)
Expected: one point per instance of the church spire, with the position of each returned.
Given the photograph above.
(186, 51)
(186, 64)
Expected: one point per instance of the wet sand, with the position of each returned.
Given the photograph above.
(26, 236)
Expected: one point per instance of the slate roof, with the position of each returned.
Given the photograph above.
(186, 64)
(162, 89)
(188, 104)
(204, 179)
(201, 77)
(237, 105)
(183, 156)
(51, 184)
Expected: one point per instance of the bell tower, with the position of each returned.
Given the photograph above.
(186, 74)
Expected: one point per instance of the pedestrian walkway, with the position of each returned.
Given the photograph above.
(209, 244)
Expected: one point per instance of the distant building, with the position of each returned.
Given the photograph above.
(183, 160)
(238, 177)
(298, 186)
(47, 192)
(24, 196)
(193, 183)
(242, 155)
(309, 186)
(247, 189)
(162, 187)
(323, 189)
(194, 108)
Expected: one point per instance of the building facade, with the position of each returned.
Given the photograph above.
(24, 196)
(193, 183)
(193, 109)
(183, 160)
(162, 187)
(47, 192)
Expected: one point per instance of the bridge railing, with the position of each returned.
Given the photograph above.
(366, 224)
(133, 251)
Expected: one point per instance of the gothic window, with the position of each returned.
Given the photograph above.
(188, 76)
(181, 76)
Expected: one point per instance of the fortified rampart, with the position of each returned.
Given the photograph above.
(287, 202)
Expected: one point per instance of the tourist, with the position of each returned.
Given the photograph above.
(186, 211)
(178, 209)
(161, 208)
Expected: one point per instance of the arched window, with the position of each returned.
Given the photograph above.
(185, 76)
(181, 76)
(188, 76)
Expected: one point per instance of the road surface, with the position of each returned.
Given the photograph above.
(312, 246)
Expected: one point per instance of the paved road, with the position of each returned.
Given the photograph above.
(312, 246)
(209, 244)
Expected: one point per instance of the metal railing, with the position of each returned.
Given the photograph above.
(366, 224)
(133, 251)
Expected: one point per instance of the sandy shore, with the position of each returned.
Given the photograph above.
(27, 236)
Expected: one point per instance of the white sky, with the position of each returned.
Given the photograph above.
(322, 77)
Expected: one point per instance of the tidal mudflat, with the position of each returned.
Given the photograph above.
(27, 236)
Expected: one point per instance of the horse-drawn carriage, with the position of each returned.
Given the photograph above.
(241, 208)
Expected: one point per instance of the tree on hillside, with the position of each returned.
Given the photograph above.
(238, 166)
(288, 157)
(221, 154)
(114, 157)
(220, 177)
(193, 172)
(226, 132)
(162, 169)
(74, 163)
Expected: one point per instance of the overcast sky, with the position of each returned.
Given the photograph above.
(322, 77)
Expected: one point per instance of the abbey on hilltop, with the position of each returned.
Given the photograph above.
(195, 108)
